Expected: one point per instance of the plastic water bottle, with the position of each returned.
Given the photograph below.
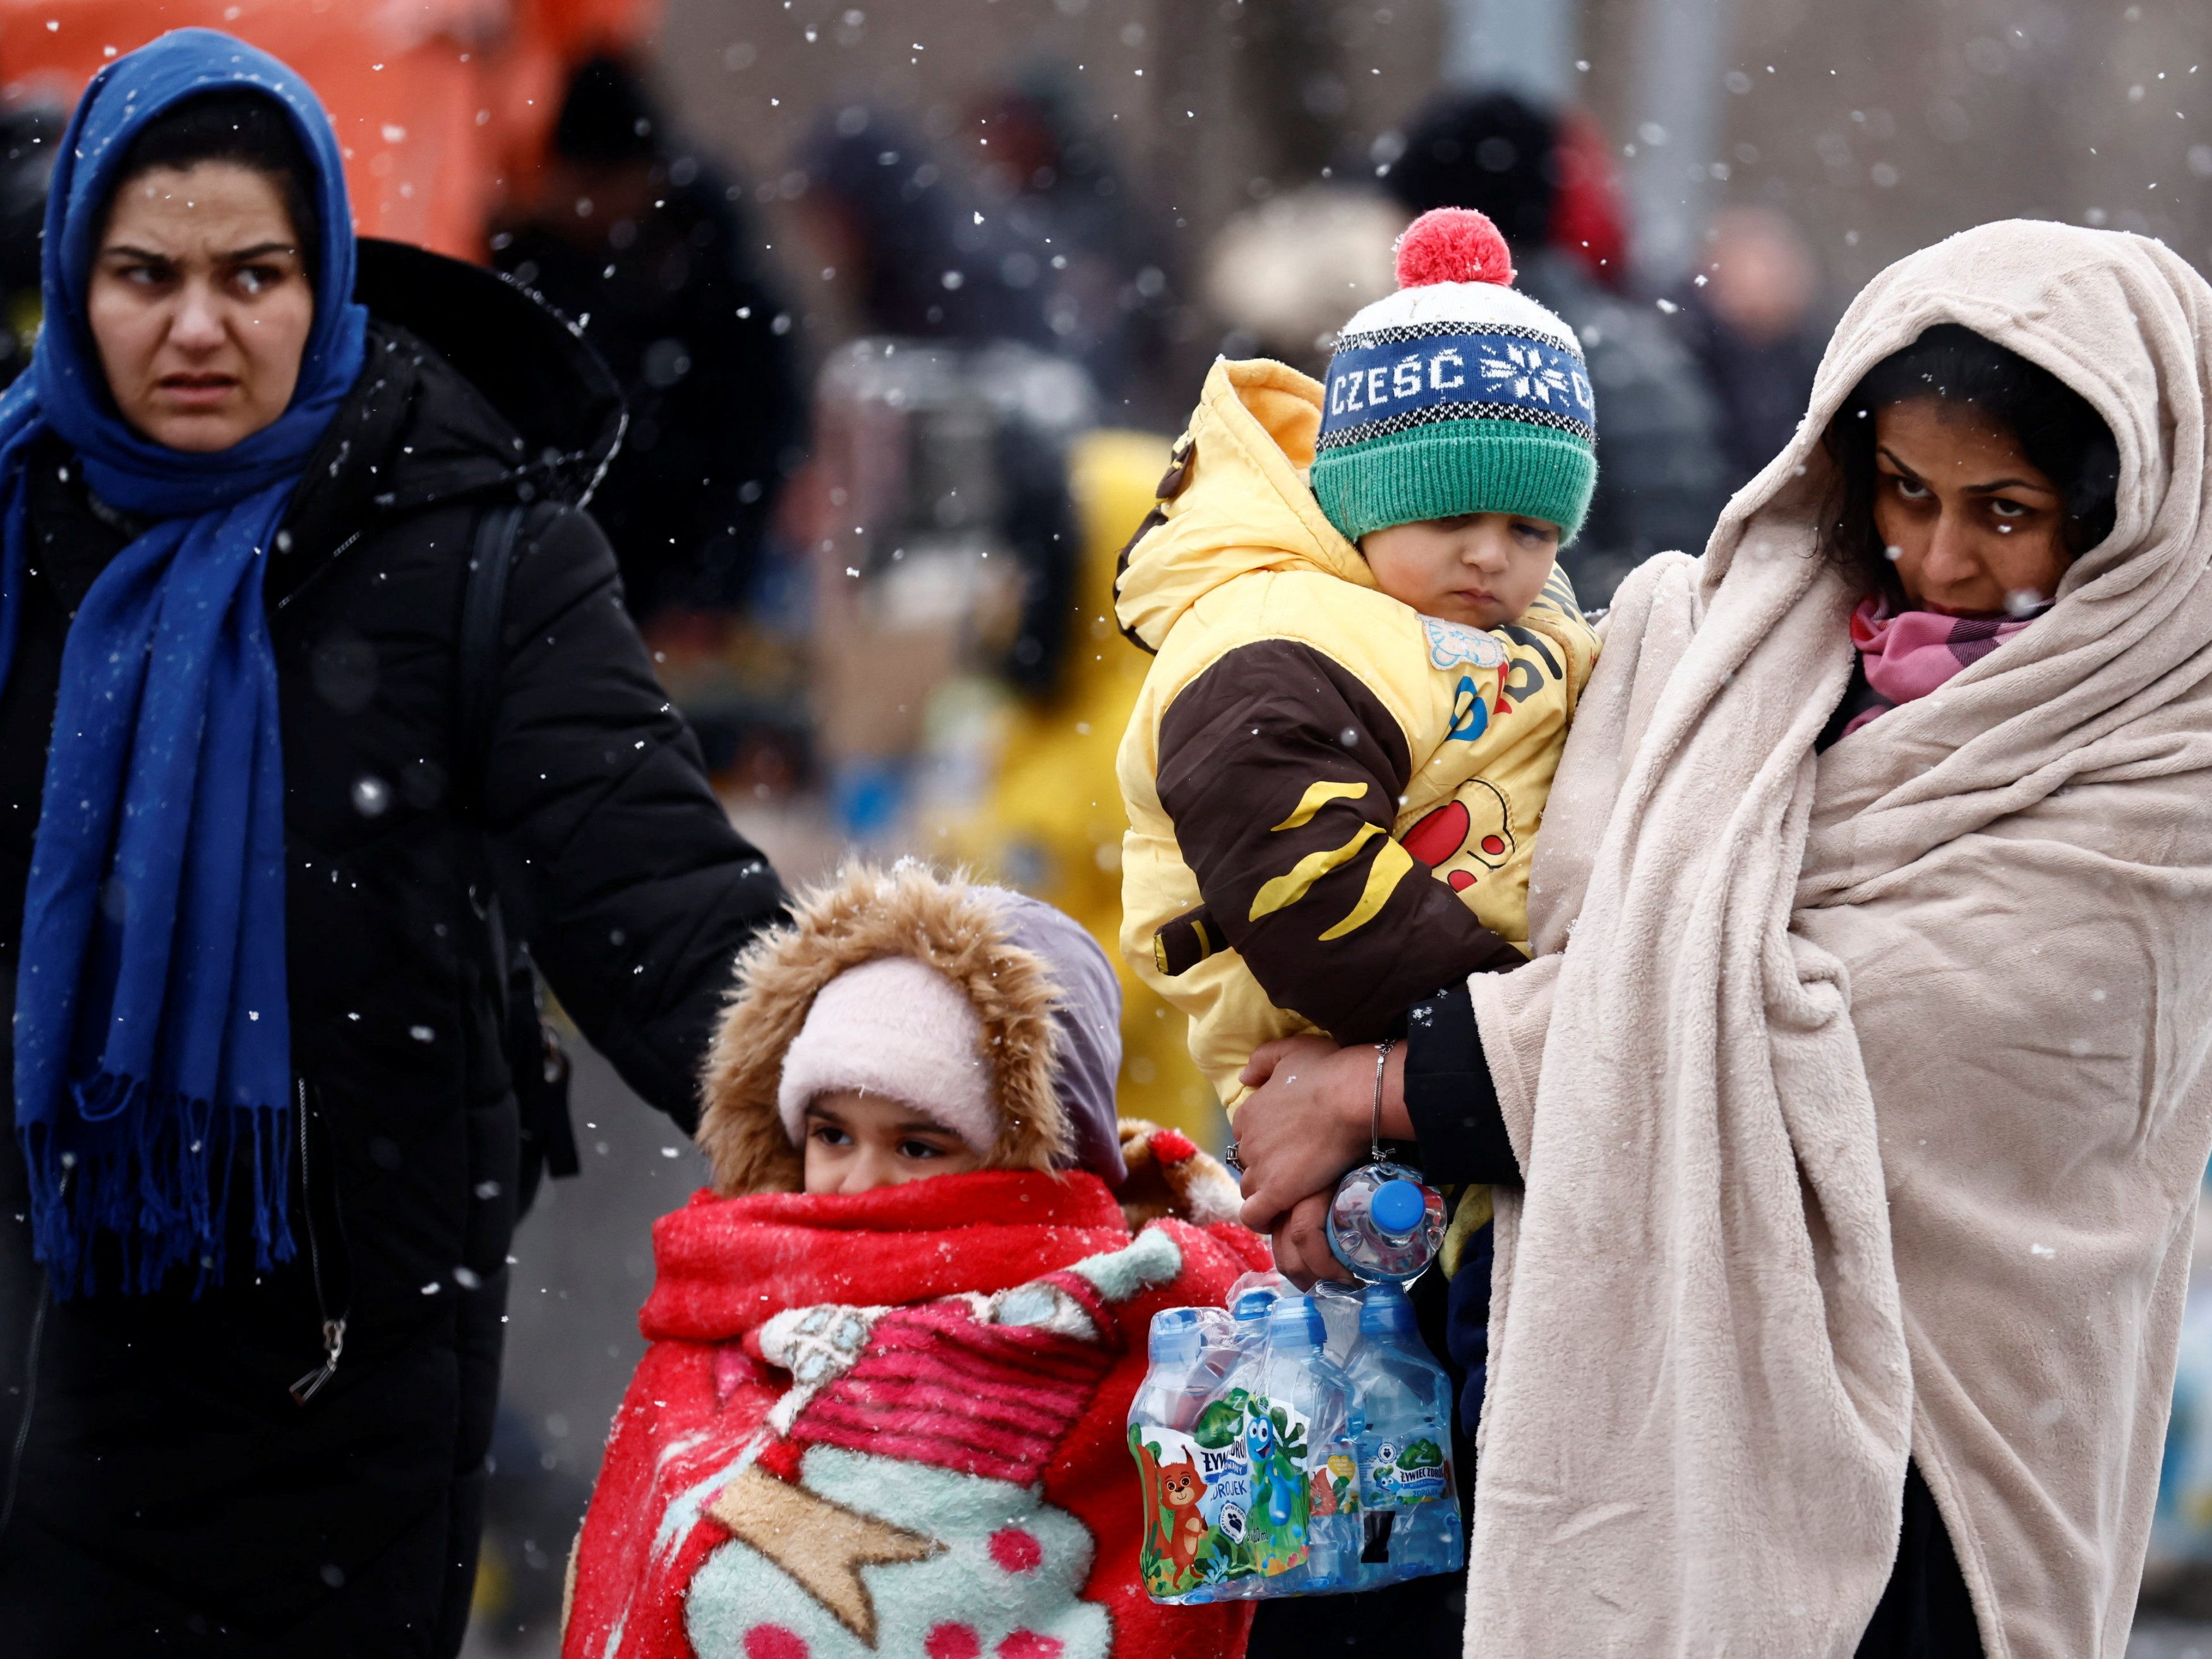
(1180, 1380)
(1248, 1334)
(1409, 1501)
(1243, 1376)
(1303, 1524)
(1340, 1307)
(1384, 1224)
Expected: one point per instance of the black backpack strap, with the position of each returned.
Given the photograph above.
(535, 1059)
(482, 659)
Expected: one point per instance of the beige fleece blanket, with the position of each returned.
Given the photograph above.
(1861, 1096)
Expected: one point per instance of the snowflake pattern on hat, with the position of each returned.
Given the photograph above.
(1525, 371)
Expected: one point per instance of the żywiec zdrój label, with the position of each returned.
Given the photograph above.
(1403, 1474)
(1233, 1498)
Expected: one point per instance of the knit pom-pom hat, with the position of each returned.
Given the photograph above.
(1456, 394)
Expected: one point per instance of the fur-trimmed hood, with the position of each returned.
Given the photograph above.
(863, 914)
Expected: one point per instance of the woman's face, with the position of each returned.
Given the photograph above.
(200, 305)
(1974, 529)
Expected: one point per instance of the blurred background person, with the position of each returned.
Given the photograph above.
(1090, 242)
(28, 134)
(905, 246)
(1751, 317)
(1284, 276)
(1048, 817)
(1659, 481)
(628, 232)
(942, 422)
(1589, 217)
(964, 511)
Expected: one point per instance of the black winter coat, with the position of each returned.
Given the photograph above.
(163, 1491)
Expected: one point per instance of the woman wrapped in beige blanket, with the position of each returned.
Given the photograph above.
(1858, 1083)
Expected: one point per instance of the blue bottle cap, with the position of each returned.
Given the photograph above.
(1295, 1321)
(1384, 1310)
(1253, 1304)
(1398, 1208)
(1175, 1334)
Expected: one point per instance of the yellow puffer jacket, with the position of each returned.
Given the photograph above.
(1305, 750)
(1051, 823)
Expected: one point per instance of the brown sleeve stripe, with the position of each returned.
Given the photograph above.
(1184, 943)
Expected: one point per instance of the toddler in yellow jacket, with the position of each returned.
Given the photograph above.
(1366, 660)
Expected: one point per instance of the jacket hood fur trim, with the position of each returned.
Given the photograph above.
(858, 916)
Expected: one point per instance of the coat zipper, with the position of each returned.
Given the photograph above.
(308, 580)
(311, 1382)
(30, 1401)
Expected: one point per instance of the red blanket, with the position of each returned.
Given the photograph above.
(891, 1426)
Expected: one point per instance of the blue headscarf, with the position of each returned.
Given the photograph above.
(153, 1038)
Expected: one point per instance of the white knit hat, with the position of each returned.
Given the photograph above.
(898, 1028)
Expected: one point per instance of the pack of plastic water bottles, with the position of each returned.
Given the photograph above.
(1301, 1445)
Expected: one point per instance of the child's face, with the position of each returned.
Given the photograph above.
(856, 1143)
(1480, 568)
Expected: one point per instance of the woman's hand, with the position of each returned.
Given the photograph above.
(1304, 1126)
(1301, 1243)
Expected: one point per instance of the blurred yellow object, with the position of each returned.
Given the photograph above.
(1052, 822)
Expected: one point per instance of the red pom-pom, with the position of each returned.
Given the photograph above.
(1453, 244)
(1171, 1146)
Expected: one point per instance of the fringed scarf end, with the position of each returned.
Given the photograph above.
(142, 1185)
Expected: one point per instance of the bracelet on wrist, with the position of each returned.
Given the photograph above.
(1375, 1120)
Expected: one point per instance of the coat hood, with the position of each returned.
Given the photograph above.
(1235, 501)
(960, 929)
(471, 388)
(560, 403)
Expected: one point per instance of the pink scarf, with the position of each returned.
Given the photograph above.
(1911, 654)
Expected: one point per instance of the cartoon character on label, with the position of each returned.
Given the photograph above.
(1181, 1487)
(1280, 1502)
(1175, 1527)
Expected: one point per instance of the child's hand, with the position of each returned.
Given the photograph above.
(1301, 1242)
(1305, 1124)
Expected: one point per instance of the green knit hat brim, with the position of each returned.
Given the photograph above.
(1446, 468)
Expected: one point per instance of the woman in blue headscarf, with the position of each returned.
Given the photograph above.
(272, 814)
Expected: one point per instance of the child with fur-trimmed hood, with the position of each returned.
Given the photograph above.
(894, 1346)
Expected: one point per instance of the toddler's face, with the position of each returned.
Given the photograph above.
(1480, 568)
(856, 1143)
